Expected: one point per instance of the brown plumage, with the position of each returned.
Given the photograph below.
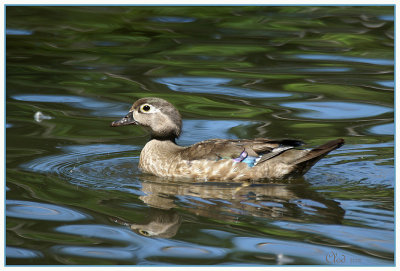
(215, 159)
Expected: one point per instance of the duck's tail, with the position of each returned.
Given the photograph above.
(304, 163)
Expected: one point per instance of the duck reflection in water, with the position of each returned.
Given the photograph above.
(159, 223)
(229, 202)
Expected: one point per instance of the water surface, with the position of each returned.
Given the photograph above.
(75, 196)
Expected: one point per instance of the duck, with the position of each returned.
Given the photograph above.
(215, 159)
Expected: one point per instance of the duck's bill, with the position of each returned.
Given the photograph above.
(127, 120)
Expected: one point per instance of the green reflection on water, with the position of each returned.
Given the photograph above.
(343, 92)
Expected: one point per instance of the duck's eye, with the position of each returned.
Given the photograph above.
(145, 108)
(144, 233)
(148, 108)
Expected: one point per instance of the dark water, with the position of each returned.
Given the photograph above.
(74, 192)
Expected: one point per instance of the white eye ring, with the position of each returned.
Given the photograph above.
(148, 108)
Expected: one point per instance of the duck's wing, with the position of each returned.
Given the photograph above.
(216, 149)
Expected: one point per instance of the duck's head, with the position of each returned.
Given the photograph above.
(159, 116)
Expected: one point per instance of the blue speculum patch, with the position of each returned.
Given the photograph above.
(245, 158)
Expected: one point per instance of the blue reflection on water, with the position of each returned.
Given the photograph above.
(321, 69)
(135, 248)
(18, 32)
(22, 253)
(171, 19)
(215, 86)
(337, 110)
(374, 61)
(389, 84)
(197, 130)
(106, 43)
(98, 108)
(382, 240)
(95, 252)
(49, 98)
(383, 129)
(41, 211)
(386, 18)
(97, 231)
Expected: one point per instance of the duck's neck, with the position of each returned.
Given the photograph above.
(164, 138)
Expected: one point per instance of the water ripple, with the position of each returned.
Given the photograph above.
(283, 251)
(111, 253)
(371, 239)
(97, 231)
(97, 166)
(42, 211)
(193, 252)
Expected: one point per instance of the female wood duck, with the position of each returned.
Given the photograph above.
(215, 159)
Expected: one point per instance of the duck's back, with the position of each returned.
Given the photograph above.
(216, 149)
